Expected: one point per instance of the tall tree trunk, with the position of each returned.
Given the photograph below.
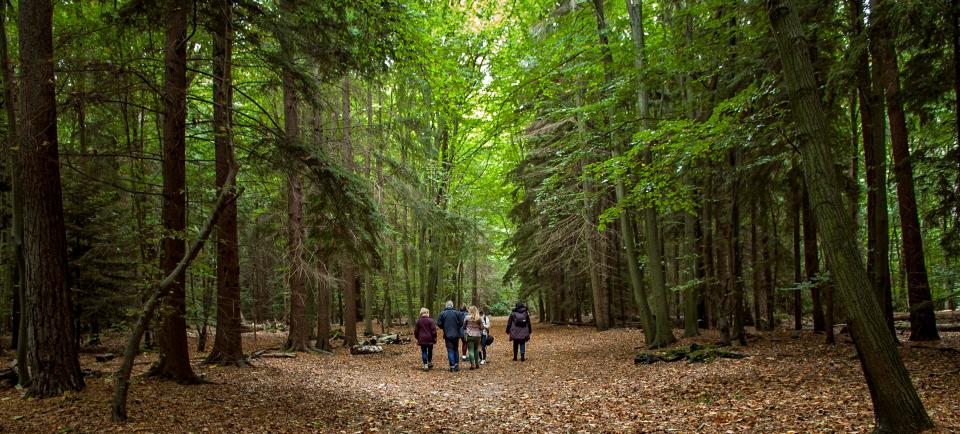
(368, 299)
(349, 269)
(690, 327)
(662, 329)
(709, 259)
(261, 271)
(873, 130)
(601, 310)
(770, 258)
(955, 21)
(323, 305)
(474, 283)
(797, 275)
(756, 263)
(16, 267)
(51, 353)
(897, 406)
(738, 307)
(174, 358)
(227, 345)
(368, 288)
(923, 322)
(811, 260)
(298, 337)
(407, 276)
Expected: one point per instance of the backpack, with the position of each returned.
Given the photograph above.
(521, 321)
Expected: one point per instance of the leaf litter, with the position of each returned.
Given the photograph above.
(575, 380)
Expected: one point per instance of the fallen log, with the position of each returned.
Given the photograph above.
(106, 357)
(279, 355)
(948, 327)
(942, 315)
(695, 353)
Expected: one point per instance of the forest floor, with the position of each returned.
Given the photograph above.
(575, 380)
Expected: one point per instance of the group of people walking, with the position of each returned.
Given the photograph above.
(471, 328)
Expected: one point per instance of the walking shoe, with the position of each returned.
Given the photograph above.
(523, 358)
(426, 367)
(430, 365)
(483, 362)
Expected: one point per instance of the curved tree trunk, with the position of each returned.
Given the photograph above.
(897, 406)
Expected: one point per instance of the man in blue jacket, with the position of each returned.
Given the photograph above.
(451, 322)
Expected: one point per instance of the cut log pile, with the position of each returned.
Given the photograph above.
(366, 349)
(387, 339)
(374, 344)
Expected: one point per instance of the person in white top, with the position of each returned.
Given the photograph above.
(486, 336)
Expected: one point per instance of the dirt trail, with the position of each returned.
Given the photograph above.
(576, 380)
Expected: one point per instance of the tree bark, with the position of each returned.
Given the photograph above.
(797, 275)
(349, 270)
(16, 267)
(811, 261)
(873, 130)
(923, 323)
(227, 345)
(737, 296)
(297, 338)
(47, 307)
(955, 24)
(660, 324)
(601, 311)
(174, 360)
(897, 407)
(323, 305)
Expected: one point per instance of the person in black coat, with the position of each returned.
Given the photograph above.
(451, 322)
(519, 330)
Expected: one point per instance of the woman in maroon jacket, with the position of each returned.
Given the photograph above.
(426, 334)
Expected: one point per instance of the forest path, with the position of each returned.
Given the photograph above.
(576, 379)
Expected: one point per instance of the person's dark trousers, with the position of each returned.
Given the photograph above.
(453, 347)
(522, 346)
(483, 344)
(426, 353)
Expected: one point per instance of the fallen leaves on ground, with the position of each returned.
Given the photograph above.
(576, 380)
